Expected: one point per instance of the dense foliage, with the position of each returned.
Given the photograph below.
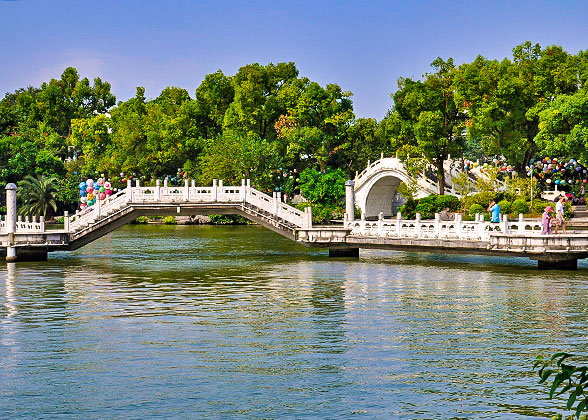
(271, 125)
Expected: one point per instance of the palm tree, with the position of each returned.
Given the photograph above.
(38, 195)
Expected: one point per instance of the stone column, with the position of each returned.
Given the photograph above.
(186, 190)
(11, 221)
(129, 191)
(157, 190)
(380, 224)
(350, 200)
(214, 189)
(243, 190)
(66, 221)
(165, 182)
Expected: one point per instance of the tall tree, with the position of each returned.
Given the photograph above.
(426, 118)
(503, 100)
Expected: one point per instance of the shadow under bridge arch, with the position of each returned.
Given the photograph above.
(382, 196)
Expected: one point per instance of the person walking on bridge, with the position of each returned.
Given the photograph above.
(494, 210)
(560, 220)
(546, 219)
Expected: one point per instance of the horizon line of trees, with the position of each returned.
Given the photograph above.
(267, 120)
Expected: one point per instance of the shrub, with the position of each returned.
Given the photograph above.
(568, 210)
(426, 208)
(408, 209)
(141, 220)
(227, 219)
(322, 213)
(169, 220)
(476, 208)
(519, 206)
(483, 199)
(505, 206)
(539, 206)
(450, 201)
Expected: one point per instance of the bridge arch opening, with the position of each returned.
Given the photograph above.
(383, 197)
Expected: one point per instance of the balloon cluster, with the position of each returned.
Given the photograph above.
(560, 172)
(91, 190)
(488, 163)
(285, 180)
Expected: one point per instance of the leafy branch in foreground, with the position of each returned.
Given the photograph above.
(568, 378)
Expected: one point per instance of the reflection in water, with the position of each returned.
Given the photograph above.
(235, 322)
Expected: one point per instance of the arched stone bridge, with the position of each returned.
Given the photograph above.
(376, 186)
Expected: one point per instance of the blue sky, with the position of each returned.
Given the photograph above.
(362, 46)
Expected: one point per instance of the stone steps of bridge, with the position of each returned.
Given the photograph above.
(580, 212)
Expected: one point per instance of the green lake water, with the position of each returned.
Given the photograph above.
(236, 322)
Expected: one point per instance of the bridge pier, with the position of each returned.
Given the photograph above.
(557, 264)
(344, 252)
(24, 254)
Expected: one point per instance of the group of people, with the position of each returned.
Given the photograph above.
(560, 220)
(547, 219)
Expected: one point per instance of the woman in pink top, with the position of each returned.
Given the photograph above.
(546, 219)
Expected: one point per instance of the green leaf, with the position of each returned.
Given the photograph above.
(581, 407)
(545, 374)
(572, 400)
(559, 354)
(559, 378)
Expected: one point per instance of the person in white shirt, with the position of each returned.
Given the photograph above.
(560, 220)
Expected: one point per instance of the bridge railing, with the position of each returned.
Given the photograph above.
(27, 225)
(188, 194)
(478, 230)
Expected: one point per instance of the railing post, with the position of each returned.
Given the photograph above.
(505, 229)
(458, 225)
(350, 199)
(65, 221)
(362, 224)
(307, 221)
(214, 189)
(398, 224)
(42, 223)
(165, 181)
(157, 190)
(380, 224)
(417, 225)
(138, 183)
(243, 191)
(98, 205)
(186, 190)
(193, 183)
(437, 224)
(521, 224)
(129, 191)
(275, 203)
(10, 209)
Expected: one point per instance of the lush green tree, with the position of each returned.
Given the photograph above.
(232, 157)
(38, 195)
(426, 117)
(563, 127)
(213, 97)
(256, 105)
(503, 99)
(323, 187)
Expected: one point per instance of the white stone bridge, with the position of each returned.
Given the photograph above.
(29, 239)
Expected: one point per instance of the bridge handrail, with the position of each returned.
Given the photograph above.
(441, 229)
(185, 194)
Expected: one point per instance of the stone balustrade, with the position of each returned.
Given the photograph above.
(477, 230)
